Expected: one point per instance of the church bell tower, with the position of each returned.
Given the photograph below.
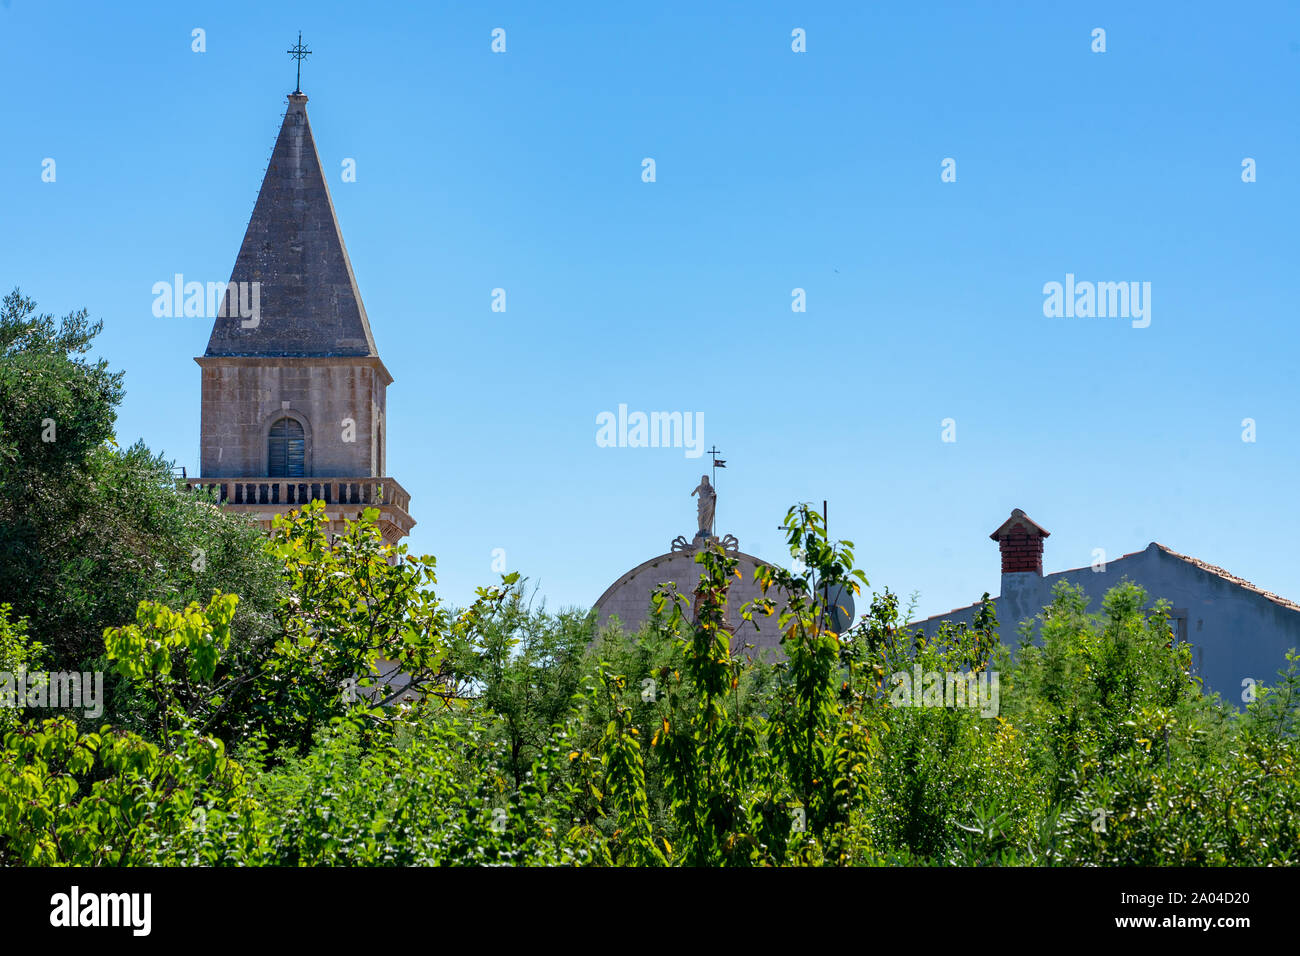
(293, 389)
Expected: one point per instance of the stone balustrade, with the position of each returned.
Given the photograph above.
(295, 492)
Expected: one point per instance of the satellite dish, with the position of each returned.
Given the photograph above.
(839, 608)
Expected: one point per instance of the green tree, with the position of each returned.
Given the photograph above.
(19, 654)
(87, 531)
(114, 797)
(525, 668)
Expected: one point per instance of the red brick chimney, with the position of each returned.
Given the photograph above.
(1021, 542)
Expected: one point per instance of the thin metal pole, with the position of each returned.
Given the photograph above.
(826, 591)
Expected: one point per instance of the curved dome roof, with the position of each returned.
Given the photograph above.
(628, 598)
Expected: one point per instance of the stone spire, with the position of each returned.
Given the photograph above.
(308, 299)
(294, 394)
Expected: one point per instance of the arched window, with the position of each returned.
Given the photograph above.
(286, 449)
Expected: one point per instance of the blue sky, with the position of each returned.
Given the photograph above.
(774, 171)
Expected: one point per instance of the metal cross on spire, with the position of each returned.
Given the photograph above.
(299, 53)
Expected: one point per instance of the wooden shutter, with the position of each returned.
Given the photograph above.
(286, 450)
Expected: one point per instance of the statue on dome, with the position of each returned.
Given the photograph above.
(708, 501)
